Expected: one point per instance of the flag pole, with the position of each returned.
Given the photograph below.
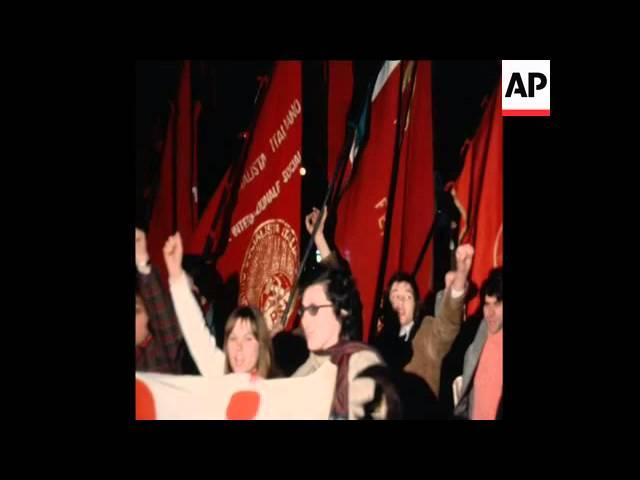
(400, 125)
(341, 166)
(358, 105)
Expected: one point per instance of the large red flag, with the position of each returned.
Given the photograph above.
(262, 247)
(362, 209)
(478, 195)
(414, 204)
(175, 206)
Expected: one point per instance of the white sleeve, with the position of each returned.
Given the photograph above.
(202, 344)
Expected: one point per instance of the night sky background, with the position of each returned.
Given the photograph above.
(228, 89)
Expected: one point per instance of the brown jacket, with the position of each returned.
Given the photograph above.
(433, 341)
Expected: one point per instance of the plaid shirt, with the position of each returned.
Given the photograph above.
(159, 353)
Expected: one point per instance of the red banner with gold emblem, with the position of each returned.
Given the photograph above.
(262, 250)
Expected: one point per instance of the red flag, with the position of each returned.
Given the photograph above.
(264, 229)
(361, 212)
(478, 195)
(175, 206)
(211, 226)
(414, 205)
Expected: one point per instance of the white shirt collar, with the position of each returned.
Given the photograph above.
(405, 330)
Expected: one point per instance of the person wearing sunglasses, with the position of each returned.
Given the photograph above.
(331, 318)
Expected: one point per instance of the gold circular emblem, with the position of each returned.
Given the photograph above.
(269, 269)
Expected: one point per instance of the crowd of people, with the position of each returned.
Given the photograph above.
(397, 376)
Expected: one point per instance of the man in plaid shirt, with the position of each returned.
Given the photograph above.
(158, 334)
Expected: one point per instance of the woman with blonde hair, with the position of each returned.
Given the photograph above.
(247, 342)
